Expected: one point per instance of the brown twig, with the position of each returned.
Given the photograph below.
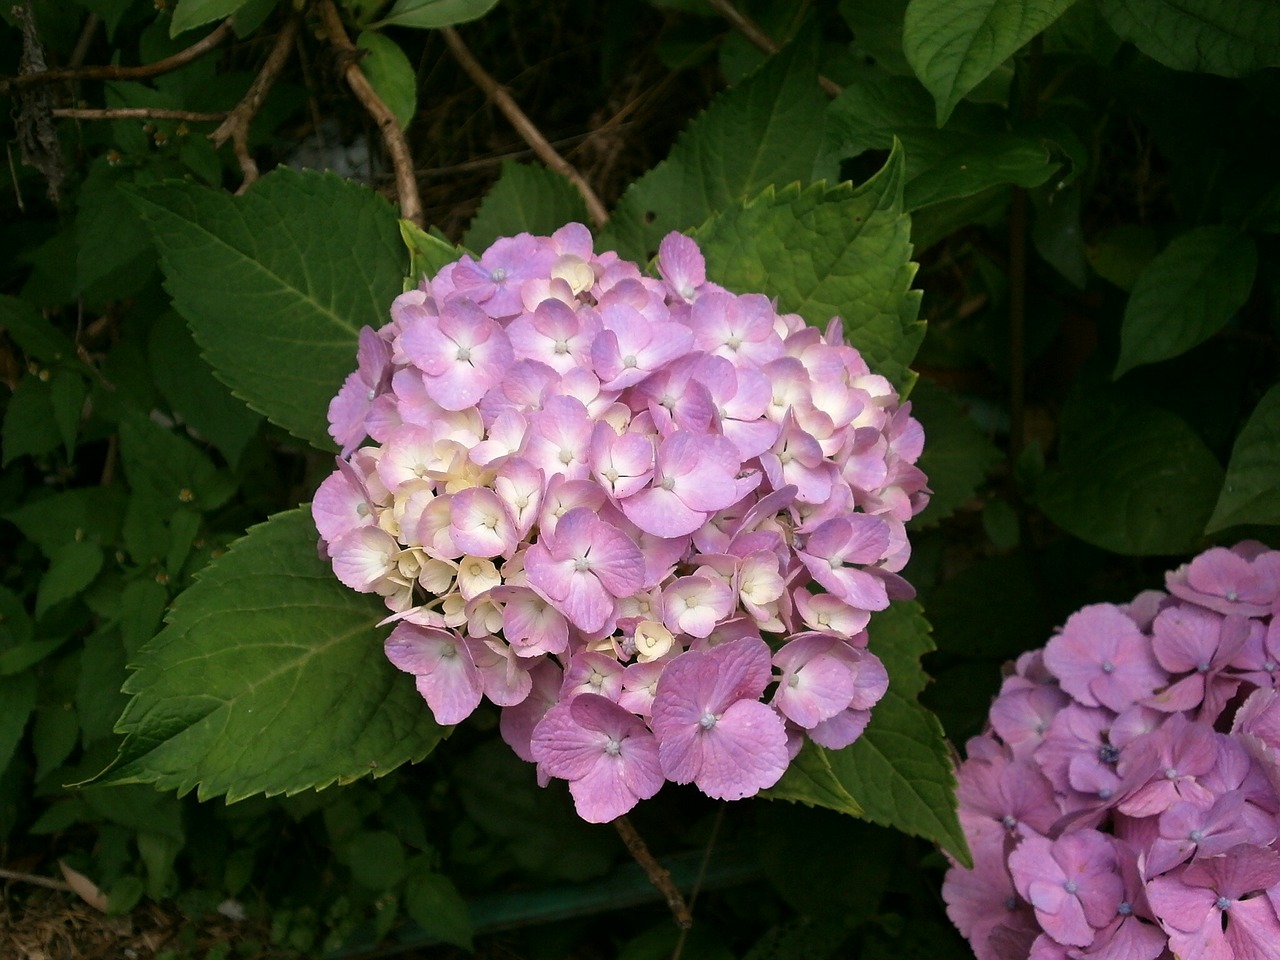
(656, 873)
(135, 113)
(524, 126)
(392, 135)
(236, 125)
(146, 70)
(35, 880)
(757, 37)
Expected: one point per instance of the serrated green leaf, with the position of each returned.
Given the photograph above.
(877, 30)
(957, 455)
(193, 13)
(526, 198)
(390, 74)
(899, 772)
(435, 905)
(764, 131)
(953, 45)
(270, 287)
(1130, 478)
(17, 700)
(1186, 295)
(975, 152)
(72, 568)
(269, 678)
(98, 697)
(1207, 36)
(828, 252)
(430, 14)
(1251, 492)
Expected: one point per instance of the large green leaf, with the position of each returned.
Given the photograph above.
(899, 772)
(390, 74)
(953, 45)
(1210, 36)
(276, 284)
(764, 131)
(823, 252)
(1251, 492)
(428, 14)
(527, 198)
(192, 13)
(269, 678)
(1131, 478)
(1186, 294)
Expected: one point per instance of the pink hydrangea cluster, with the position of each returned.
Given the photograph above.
(647, 518)
(1124, 802)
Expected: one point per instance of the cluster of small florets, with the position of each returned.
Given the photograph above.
(1123, 804)
(647, 518)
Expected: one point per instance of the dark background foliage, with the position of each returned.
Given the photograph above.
(1095, 224)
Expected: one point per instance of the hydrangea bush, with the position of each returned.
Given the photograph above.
(1123, 802)
(646, 517)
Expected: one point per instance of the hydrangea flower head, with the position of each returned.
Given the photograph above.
(646, 517)
(1128, 787)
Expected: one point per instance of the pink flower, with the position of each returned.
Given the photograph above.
(712, 729)
(1102, 658)
(605, 752)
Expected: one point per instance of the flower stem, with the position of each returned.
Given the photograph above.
(657, 874)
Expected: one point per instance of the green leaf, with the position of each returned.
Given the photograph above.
(877, 30)
(825, 252)
(89, 512)
(957, 454)
(376, 859)
(390, 74)
(109, 234)
(74, 566)
(192, 13)
(1131, 478)
(898, 773)
(436, 906)
(526, 198)
(67, 391)
(271, 289)
(269, 678)
(1251, 492)
(953, 45)
(1207, 36)
(53, 736)
(429, 14)
(1186, 295)
(975, 152)
(30, 425)
(32, 331)
(192, 392)
(17, 700)
(764, 131)
(169, 469)
(428, 252)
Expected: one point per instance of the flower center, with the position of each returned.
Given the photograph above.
(1222, 903)
(464, 354)
(1070, 886)
(498, 275)
(612, 747)
(707, 720)
(1108, 666)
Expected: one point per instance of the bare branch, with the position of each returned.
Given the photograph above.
(392, 135)
(524, 126)
(657, 874)
(34, 880)
(167, 65)
(758, 38)
(135, 113)
(236, 125)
